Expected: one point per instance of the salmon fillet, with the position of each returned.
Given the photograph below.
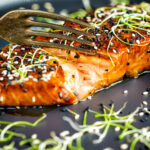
(46, 76)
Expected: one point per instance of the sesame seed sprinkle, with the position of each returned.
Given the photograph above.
(145, 93)
(125, 92)
(33, 99)
(145, 103)
(124, 146)
(1, 98)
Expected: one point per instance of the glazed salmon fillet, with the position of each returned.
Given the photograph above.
(46, 76)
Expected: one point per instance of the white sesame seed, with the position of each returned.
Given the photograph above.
(13, 71)
(16, 62)
(1, 78)
(29, 59)
(33, 99)
(80, 36)
(117, 129)
(133, 35)
(125, 92)
(108, 148)
(34, 79)
(11, 77)
(124, 146)
(114, 51)
(95, 47)
(26, 79)
(145, 103)
(77, 117)
(36, 141)
(145, 93)
(30, 76)
(1, 98)
(4, 72)
(64, 133)
(34, 136)
(128, 50)
(48, 5)
(135, 135)
(98, 34)
(145, 109)
(35, 6)
(16, 74)
(18, 107)
(15, 53)
(22, 48)
(51, 40)
(137, 41)
(141, 114)
(9, 62)
(5, 55)
(89, 97)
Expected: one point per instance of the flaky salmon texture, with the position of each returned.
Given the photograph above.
(46, 76)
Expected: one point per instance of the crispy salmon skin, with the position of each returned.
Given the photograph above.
(46, 76)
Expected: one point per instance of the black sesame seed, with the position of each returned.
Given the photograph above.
(27, 49)
(21, 85)
(147, 114)
(51, 68)
(106, 70)
(25, 90)
(125, 26)
(95, 39)
(132, 41)
(125, 40)
(82, 46)
(139, 38)
(55, 62)
(77, 55)
(111, 103)
(148, 89)
(64, 109)
(128, 63)
(109, 35)
(102, 106)
(39, 78)
(97, 30)
(2, 113)
(145, 119)
(9, 82)
(87, 109)
(60, 95)
(1, 58)
(40, 72)
(66, 99)
(47, 57)
(16, 59)
(148, 51)
(57, 41)
(33, 69)
(117, 51)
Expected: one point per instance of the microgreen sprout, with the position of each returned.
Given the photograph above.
(100, 127)
(22, 69)
(76, 115)
(134, 20)
(7, 135)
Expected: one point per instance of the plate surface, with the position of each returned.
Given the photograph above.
(54, 121)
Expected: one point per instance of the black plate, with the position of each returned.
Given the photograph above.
(54, 121)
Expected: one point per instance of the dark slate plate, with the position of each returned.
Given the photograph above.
(54, 121)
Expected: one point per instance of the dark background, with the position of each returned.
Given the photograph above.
(54, 121)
